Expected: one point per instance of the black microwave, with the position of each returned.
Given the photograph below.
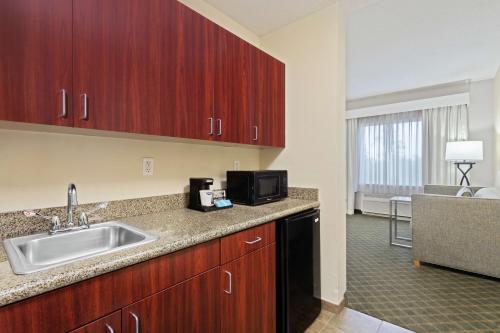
(257, 187)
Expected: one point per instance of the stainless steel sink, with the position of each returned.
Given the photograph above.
(29, 254)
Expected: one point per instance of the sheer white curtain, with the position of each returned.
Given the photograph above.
(352, 163)
(390, 153)
(441, 125)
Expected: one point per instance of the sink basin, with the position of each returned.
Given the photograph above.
(33, 253)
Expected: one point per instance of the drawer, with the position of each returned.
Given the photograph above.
(108, 324)
(243, 242)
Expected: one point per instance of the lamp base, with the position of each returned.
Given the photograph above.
(464, 172)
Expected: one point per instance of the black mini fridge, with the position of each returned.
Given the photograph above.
(298, 274)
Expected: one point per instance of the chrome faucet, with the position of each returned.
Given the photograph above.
(72, 202)
(83, 221)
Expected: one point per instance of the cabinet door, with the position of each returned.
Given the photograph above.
(108, 324)
(234, 87)
(117, 65)
(36, 60)
(188, 73)
(248, 289)
(269, 117)
(191, 306)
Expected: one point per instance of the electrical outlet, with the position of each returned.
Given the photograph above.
(236, 165)
(148, 165)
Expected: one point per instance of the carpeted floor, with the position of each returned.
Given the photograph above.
(382, 283)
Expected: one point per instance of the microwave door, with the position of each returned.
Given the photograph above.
(267, 188)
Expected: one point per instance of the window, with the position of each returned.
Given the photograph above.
(390, 153)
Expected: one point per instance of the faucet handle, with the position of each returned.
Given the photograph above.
(83, 220)
(84, 216)
(55, 223)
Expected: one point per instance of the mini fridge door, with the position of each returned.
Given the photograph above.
(298, 271)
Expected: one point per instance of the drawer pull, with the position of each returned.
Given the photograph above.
(220, 127)
(258, 239)
(230, 289)
(256, 136)
(85, 100)
(64, 104)
(110, 329)
(211, 126)
(137, 322)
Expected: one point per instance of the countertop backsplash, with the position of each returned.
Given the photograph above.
(14, 224)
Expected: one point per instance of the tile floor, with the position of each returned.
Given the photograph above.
(350, 321)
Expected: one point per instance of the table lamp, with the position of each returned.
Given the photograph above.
(464, 153)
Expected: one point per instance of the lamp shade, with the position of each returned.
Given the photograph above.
(464, 151)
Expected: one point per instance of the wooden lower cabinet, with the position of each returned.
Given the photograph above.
(186, 291)
(191, 306)
(248, 293)
(108, 324)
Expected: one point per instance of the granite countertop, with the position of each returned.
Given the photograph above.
(177, 229)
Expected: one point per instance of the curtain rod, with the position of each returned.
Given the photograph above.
(415, 105)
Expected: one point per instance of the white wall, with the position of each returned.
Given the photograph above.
(481, 120)
(496, 88)
(35, 167)
(313, 51)
(482, 128)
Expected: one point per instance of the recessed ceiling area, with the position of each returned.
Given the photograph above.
(395, 45)
(264, 16)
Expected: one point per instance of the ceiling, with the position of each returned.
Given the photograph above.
(395, 45)
(264, 16)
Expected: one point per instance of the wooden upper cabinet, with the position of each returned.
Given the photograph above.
(234, 87)
(35, 61)
(138, 66)
(117, 56)
(187, 74)
(248, 293)
(191, 306)
(269, 116)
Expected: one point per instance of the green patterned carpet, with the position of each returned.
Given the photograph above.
(381, 282)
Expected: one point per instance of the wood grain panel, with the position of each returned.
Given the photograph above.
(117, 55)
(85, 301)
(36, 60)
(188, 61)
(237, 245)
(234, 87)
(191, 306)
(251, 305)
(103, 325)
(269, 114)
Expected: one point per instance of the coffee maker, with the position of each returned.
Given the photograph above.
(195, 186)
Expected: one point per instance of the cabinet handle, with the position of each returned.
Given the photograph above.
(137, 322)
(110, 329)
(230, 289)
(85, 115)
(220, 127)
(256, 137)
(211, 126)
(258, 239)
(64, 104)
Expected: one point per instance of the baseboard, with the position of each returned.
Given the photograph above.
(328, 306)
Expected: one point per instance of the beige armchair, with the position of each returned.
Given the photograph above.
(456, 232)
